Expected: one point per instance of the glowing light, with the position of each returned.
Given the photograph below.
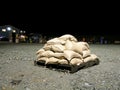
(3, 30)
(14, 31)
(9, 28)
(21, 31)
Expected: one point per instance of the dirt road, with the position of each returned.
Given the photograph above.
(17, 70)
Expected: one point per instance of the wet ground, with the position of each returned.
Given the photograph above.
(18, 72)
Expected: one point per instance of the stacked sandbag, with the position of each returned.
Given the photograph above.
(66, 50)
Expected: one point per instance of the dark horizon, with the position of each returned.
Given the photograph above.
(59, 23)
(66, 29)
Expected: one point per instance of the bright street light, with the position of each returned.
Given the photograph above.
(9, 28)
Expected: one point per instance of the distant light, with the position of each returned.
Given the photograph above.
(1, 37)
(3, 30)
(21, 31)
(14, 31)
(9, 28)
(22, 36)
(24, 32)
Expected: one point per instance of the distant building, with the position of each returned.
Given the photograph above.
(8, 32)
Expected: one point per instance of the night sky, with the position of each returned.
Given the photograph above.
(65, 21)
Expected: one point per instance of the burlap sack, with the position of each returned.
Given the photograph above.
(46, 54)
(69, 54)
(95, 58)
(58, 55)
(68, 45)
(63, 62)
(52, 60)
(77, 48)
(42, 59)
(91, 60)
(47, 47)
(68, 37)
(55, 41)
(77, 61)
(86, 53)
(40, 51)
(57, 48)
(87, 59)
(92, 57)
(84, 45)
(71, 45)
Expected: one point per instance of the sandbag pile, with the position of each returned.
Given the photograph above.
(66, 50)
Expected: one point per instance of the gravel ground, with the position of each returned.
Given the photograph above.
(18, 72)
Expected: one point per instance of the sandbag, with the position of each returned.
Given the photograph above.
(95, 58)
(71, 45)
(55, 41)
(86, 53)
(46, 54)
(47, 47)
(91, 60)
(57, 48)
(40, 51)
(42, 59)
(77, 48)
(68, 37)
(52, 60)
(63, 62)
(85, 45)
(69, 54)
(58, 55)
(76, 61)
(92, 57)
(68, 45)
